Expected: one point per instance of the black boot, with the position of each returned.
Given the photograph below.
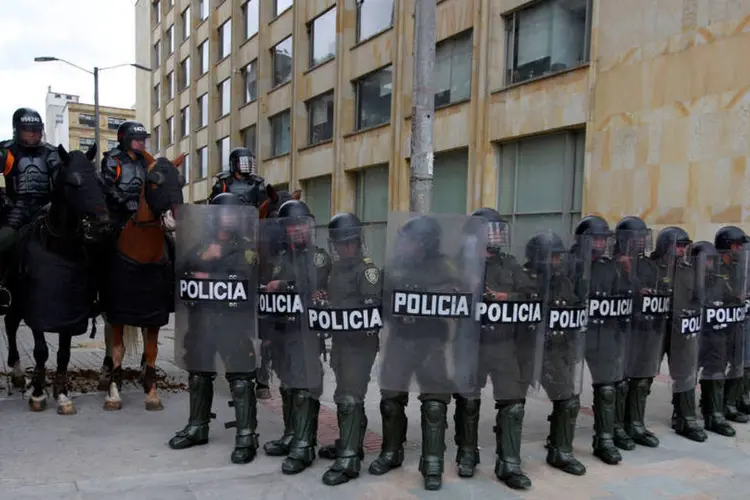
(561, 434)
(604, 417)
(621, 438)
(508, 429)
(305, 411)
(743, 404)
(635, 412)
(246, 420)
(466, 420)
(280, 447)
(201, 386)
(732, 393)
(712, 407)
(393, 415)
(350, 445)
(432, 462)
(328, 452)
(684, 421)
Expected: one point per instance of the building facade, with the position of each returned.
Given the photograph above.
(545, 109)
(72, 123)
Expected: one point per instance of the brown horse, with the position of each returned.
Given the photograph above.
(275, 199)
(139, 283)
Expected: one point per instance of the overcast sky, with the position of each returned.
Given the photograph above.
(87, 33)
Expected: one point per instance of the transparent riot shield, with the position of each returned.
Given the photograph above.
(563, 280)
(295, 275)
(217, 276)
(685, 328)
(722, 338)
(434, 278)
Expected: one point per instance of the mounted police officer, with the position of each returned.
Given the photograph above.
(353, 298)
(29, 165)
(242, 179)
(217, 314)
(124, 170)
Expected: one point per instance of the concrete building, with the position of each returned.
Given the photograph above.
(545, 109)
(72, 123)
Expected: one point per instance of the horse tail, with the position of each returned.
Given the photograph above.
(131, 339)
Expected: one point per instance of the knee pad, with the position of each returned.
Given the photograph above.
(392, 407)
(434, 411)
(571, 406)
(240, 385)
(469, 406)
(347, 400)
(607, 393)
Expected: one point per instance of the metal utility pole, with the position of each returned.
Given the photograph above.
(97, 130)
(423, 107)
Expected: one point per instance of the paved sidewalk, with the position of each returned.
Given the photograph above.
(123, 455)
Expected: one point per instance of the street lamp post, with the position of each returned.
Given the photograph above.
(95, 73)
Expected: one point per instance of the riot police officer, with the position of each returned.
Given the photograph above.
(354, 283)
(506, 356)
(242, 179)
(29, 165)
(731, 242)
(221, 326)
(301, 269)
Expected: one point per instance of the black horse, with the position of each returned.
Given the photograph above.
(52, 284)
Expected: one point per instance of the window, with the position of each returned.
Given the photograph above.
(250, 15)
(249, 138)
(156, 139)
(318, 198)
(87, 120)
(157, 11)
(170, 85)
(548, 37)
(450, 177)
(453, 70)
(225, 96)
(112, 144)
(185, 121)
(203, 162)
(203, 9)
(222, 146)
(186, 24)
(203, 49)
(541, 183)
(371, 205)
(323, 38)
(185, 73)
(170, 37)
(186, 168)
(225, 39)
(203, 110)
(157, 96)
(282, 61)
(320, 118)
(250, 75)
(170, 130)
(279, 6)
(86, 142)
(373, 16)
(114, 123)
(157, 54)
(280, 138)
(374, 98)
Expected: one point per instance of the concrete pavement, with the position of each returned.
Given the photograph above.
(123, 455)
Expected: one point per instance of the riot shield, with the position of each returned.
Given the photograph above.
(610, 310)
(563, 280)
(216, 262)
(434, 278)
(295, 275)
(685, 327)
(722, 337)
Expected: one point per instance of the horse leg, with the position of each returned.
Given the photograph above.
(107, 363)
(38, 399)
(12, 323)
(151, 349)
(144, 337)
(60, 389)
(112, 401)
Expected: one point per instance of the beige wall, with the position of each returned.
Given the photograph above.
(77, 131)
(665, 101)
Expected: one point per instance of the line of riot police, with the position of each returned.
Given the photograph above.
(450, 306)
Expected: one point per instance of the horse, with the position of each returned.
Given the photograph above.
(274, 200)
(139, 288)
(53, 285)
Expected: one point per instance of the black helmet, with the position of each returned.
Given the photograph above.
(632, 237)
(498, 232)
(226, 218)
(705, 258)
(594, 238)
(294, 208)
(226, 199)
(593, 225)
(242, 160)
(130, 130)
(26, 119)
(728, 236)
(541, 248)
(344, 227)
(423, 230)
(668, 239)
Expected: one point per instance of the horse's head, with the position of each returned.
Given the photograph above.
(276, 198)
(163, 189)
(79, 188)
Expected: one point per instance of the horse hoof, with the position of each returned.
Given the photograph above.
(154, 405)
(38, 403)
(65, 405)
(113, 405)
